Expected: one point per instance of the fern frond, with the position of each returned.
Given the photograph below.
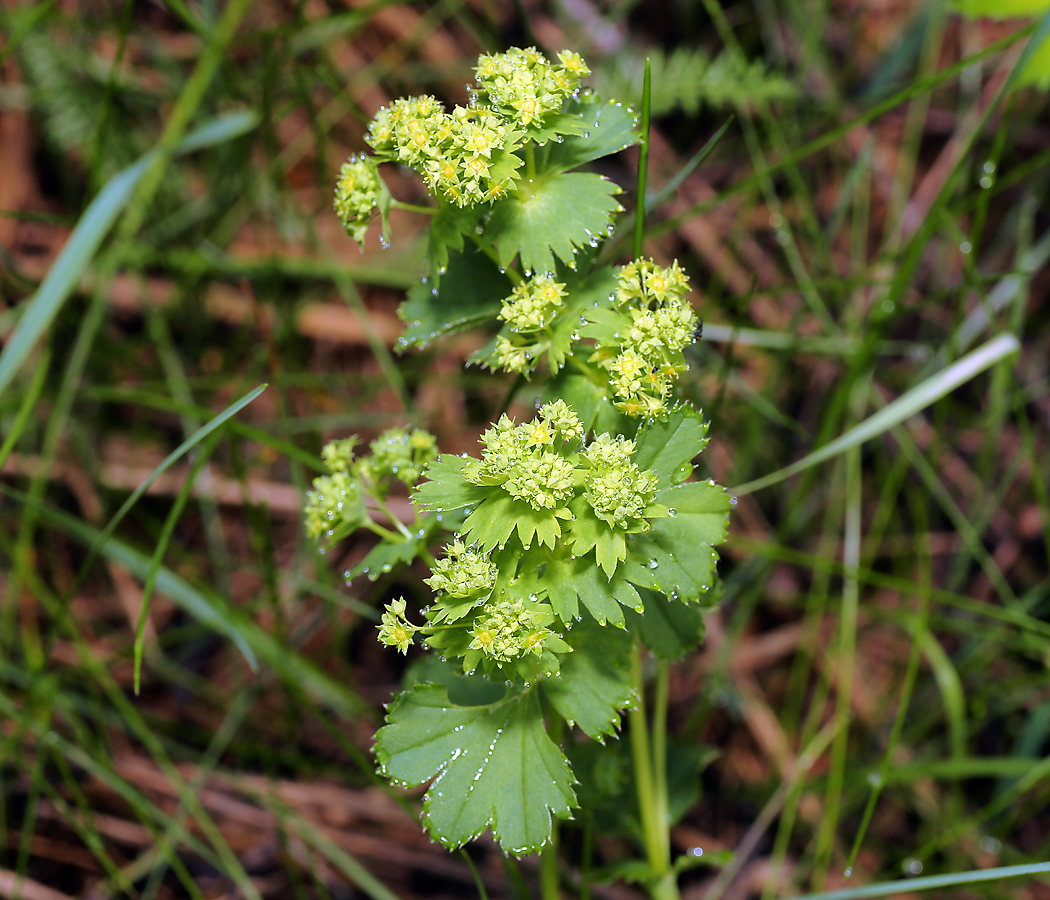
(688, 79)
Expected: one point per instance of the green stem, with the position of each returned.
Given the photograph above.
(385, 533)
(663, 818)
(413, 207)
(512, 274)
(397, 522)
(588, 854)
(482, 893)
(530, 160)
(651, 781)
(643, 164)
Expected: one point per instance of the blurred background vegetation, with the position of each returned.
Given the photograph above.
(876, 209)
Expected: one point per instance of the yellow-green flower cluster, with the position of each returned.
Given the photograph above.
(533, 303)
(464, 572)
(357, 194)
(517, 357)
(402, 454)
(336, 504)
(453, 152)
(523, 87)
(508, 629)
(394, 629)
(645, 355)
(335, 500)
(339, 455)
(522, 458)
(466, 156)
(528, 311)
(617, 490)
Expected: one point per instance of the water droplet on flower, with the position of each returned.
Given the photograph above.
(848, 872)
(672, 512)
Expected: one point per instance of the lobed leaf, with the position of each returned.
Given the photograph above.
(664, 446)
(447, 228)
(669, 628)
(490, 766)
(574, 580)
(446, 488)
(385, 556)
(677, 557)
(595, 681)
(494, 520)
(549, 216)
(469, 294)
(590, 401)
(566, 329)
(610, 128)
(551, 127)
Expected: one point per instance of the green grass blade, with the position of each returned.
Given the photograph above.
(209, 611)
(643, 163)
(675, 183)
(252, 640)
(929, 882)
(88, 235)
(1032, 260)
(951, 692)
(27, 407)
(158, 554)
(904, 407)
(199, 435)
(31, 17)
(958, 769)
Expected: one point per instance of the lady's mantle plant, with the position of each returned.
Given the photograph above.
(571, 537)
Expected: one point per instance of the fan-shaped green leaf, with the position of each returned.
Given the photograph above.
(446, 488)
(490, 766)
(550, 216)
(468, 295)
(595, 680)
(664, 446)
(677, 557)
(610, 128)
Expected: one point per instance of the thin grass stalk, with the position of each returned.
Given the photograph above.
(878, 779)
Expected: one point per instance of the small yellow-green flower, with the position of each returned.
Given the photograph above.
(509, 629)
(357, 194)
(533, 304)
(394, 629)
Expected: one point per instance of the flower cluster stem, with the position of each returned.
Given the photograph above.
(650, 775)
(514, 275)
(414, 207)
